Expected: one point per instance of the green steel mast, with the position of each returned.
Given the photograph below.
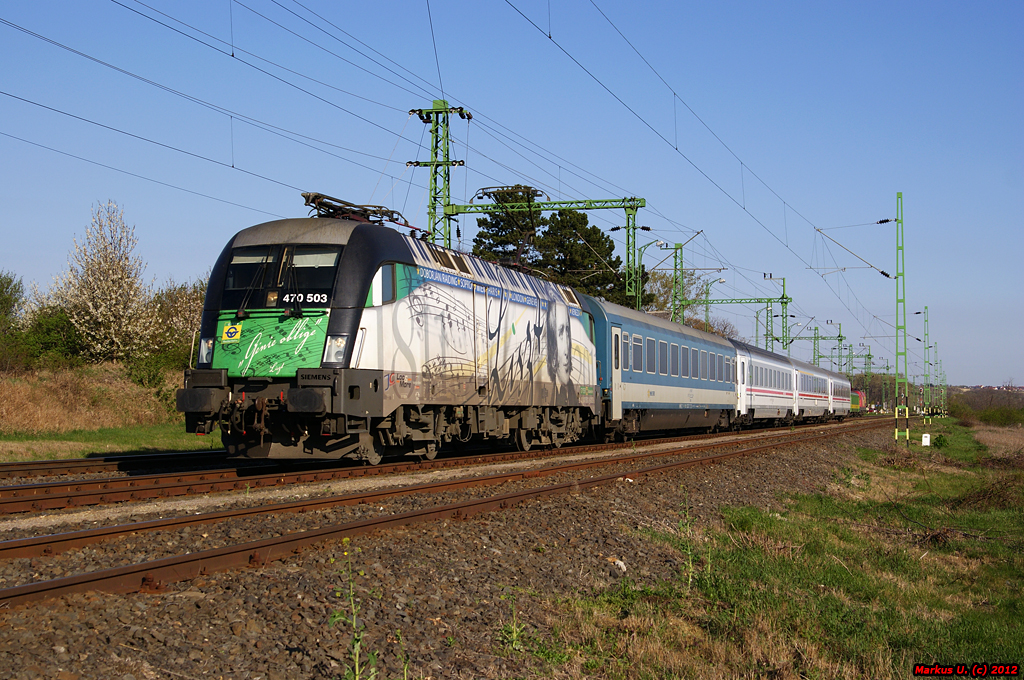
(902, 368)
(440, 164)
(927, 372)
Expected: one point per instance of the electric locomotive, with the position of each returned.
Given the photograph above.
(336, 336)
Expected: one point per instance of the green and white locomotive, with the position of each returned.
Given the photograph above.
(337, 336)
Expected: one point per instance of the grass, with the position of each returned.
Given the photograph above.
(105, 441)
(916, 556)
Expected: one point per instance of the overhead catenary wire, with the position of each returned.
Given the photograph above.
(138, 176)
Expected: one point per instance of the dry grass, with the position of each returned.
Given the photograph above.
(88, 398)
(1005, 444)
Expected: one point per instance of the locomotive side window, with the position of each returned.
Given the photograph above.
(382, 286)
(638, 354)
(674, 352)
(651, 357)
(663, 357)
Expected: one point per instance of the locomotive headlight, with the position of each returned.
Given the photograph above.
(205, 351)
(334, 352)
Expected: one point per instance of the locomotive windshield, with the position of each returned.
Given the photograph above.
(286, 276)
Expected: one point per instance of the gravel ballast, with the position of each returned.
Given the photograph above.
(447, 586)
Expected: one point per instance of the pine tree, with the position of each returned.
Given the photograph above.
(508, 237)
(577, 254)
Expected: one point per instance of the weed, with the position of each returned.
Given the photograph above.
(359, 669)
(512, 634)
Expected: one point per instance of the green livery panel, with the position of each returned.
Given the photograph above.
(267, 343)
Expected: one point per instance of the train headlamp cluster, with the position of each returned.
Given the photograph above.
(334, 351)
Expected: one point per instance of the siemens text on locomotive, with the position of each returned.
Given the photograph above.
(336, 336)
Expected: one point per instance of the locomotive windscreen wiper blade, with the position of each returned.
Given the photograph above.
(292, 285)
(242, 312)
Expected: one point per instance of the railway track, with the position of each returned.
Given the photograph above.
(154, 575)
(22, 498)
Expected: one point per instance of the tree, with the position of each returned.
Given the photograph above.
(659, 285)
(508, 237)
(576, 254)
(177, 309)
(102, 290)
(12, 300)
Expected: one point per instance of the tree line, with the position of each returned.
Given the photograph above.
(100, 308)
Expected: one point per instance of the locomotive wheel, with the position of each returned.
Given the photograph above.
(524, 440)
(370, 451)
(429, 451)
(372, 457)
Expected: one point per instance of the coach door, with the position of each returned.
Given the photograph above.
(616, 373)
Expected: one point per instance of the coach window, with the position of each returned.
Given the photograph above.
(703, 364)
(674, 359)
(662, 357)
(651, 356)
(721, 371)
(711, 366)
(638, 354)
(615, 355)
(684, 362)
(625, 351)
(694, 363)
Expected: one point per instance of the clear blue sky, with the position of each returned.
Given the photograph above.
(814, 115)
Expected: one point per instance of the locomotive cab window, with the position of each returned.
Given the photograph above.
(280, 276)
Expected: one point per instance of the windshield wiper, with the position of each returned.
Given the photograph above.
(242, 312)
(292, 285)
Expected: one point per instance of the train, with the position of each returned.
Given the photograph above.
(337, 336)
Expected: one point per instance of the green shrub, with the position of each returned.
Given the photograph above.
(1002, 416)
